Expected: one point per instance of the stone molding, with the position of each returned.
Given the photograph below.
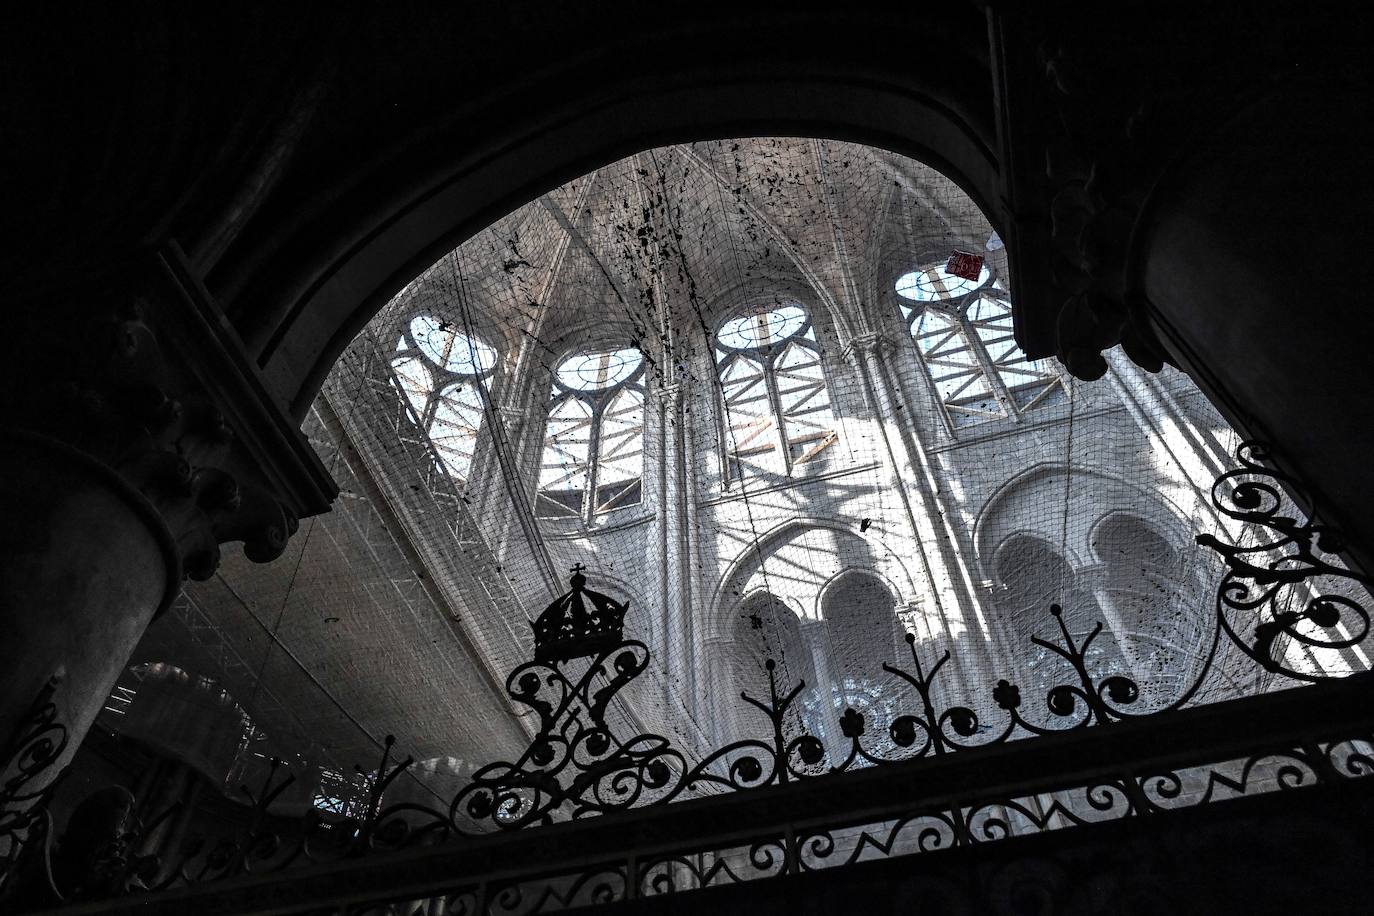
(1088, 133)
(1098, 170)
(877, 343)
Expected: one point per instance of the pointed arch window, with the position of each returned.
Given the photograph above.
(443, 375)
(593, 459)
(963, 331)
(777, 408)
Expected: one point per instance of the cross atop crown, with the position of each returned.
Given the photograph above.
(579, 623)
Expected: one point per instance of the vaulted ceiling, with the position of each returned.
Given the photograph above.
(667, 241)
(371, 623)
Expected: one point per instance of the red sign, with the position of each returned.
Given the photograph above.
(965, 264)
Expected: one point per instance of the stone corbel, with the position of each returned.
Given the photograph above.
(1098, 169)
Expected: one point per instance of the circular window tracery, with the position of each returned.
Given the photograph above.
(446, 346)
(934, 283)
(593, 459)
(443, 375)
(963, 331)
(764, 328)
(598, 371)
(775, 403)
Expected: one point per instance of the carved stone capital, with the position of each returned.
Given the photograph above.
(146, 377)
(670, 395)
(874, 343)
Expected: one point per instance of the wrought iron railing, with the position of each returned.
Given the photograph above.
(1138, 769)
(947, 774)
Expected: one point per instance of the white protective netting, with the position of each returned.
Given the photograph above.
(803, 488)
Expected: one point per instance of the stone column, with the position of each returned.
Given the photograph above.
(951, 596)
(820, 681)
(674, 544)
(137, 439)
(693, 565)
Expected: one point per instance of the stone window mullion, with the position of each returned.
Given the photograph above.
(980, 353)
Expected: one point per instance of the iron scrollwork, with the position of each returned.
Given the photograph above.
(955, 728)
(1280, 576)
(578, 764)
(38, 744)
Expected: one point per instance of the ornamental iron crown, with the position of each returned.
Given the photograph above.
(579, 623)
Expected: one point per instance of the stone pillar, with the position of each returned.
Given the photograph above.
(674, 544)
(951, 596)
(691, 528)
(815, 636)
(1160, 418)
(137, 439)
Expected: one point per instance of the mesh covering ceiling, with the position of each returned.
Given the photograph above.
(765, 390)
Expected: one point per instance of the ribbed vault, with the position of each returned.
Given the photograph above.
(721, 375)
